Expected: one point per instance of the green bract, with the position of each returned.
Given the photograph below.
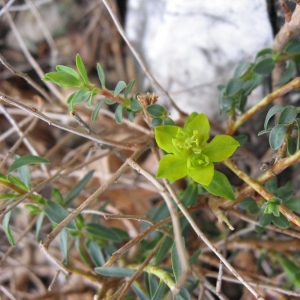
(188, 150)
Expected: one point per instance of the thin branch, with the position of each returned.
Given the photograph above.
(91, 199)
(175, 221)
(101, 140)
(139, 59)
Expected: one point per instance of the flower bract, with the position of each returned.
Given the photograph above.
(188, 150)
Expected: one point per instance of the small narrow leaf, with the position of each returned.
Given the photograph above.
(63, 244)
(287, 74)
(266, 51)
(264, 67)
(293, 204)
(101, 75)
(163, 250)
(38, 226)
(7, 229)
(96, 253)
(24, 173)
(233, 87)
(298, 139)
(242, 69)
(272, 111)
(56, 213)
(292, 47)
(63, 79)
(97, 109)
(121, 85)
(119, 114)
(115, 272)
(82, 70)
(129, 88)
(155, 110)
(68, 70)
(176, 265)
(287, 115)
(277, 136)
(139, 292)
(101, 232)
(27, 160)
(75, 191)
(281, 221)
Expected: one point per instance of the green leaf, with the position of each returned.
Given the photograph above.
(78, 97)
(119, 114)
(220, 186)
(194, 257)
(63, 244)
(291, 145)
(281, 221)
(156, 122)
(129, 88)
(135, 105)
(96, 253)
(99, 231)
(277, 136)
(287, 74)
(172, 167)
(82, 70)
(272, 207)
(292, 47)
(27, 160)
(7, 230)
(242, 68)
(241, 139)
(190, 195)
(168, 121)
(68, 70)
(272, 111)
(38, 226)
(183, 294)
(221, 147)
(272, 185)
(263, 52)
(176, 265)
(164, 136)
(101, 75)
(264, 219)
(155, 110)
(64, 79)
(287, 115)
(57, 196)
(115, 272)
(97, 109)
(81, 251)
(298, 139)
(33, 209)
(75, 191)
(163, 250)
(158, 295)
(292, 204)
(139, 292)
(233, 87)
(284, 192)
(264, 67)
(290, 269)
(56, 213)
(151, 284)
(24, 173)
(121, 85)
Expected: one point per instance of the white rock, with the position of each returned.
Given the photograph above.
(193, 46)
